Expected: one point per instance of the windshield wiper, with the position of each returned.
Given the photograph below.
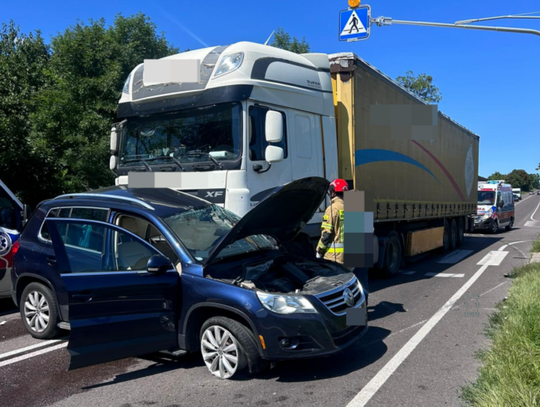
(154, 159)
(216, 162)
(137, 160)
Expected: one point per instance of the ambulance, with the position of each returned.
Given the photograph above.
(495, 206)
(11, 222)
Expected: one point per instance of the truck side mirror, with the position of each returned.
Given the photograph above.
(273, 131)
(114, 140)
(273, 154)
(113, 162)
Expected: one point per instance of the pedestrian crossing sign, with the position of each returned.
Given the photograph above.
(355, 24)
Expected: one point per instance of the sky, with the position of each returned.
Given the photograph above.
(489, 80)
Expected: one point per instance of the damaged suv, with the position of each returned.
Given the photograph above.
(134, 271)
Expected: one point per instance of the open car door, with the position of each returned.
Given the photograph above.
(117, 308)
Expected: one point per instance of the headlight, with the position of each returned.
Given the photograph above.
(286, 304)
(488, 213)
(229, 63)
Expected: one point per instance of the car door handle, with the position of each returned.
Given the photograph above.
(84, 296)
(51, 261)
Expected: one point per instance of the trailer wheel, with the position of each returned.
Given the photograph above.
(461, 231)
(393, 255)
(453, 234)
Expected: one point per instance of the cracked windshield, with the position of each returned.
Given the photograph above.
(205, 135)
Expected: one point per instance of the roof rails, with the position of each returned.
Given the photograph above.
(106, 196)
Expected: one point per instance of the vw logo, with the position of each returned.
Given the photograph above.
(5, 243)
(348, 296)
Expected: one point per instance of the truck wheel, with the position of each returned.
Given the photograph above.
(393, 255)
(461, 231)
(228, 347)
(494, 227)
(511, 224)
(39, 311)
(453, 234)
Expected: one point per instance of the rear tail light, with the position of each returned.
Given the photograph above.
(15, 248)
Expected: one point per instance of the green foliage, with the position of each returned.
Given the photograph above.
(496, 176)
(283, 40)
(519, 179)
(66, 97)
(421, 86)
(510, 375)
(23, 58)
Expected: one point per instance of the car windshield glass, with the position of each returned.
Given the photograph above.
(207, 134)
(200, 230)
(486, 197)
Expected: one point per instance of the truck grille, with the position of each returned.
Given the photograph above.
(335, 300)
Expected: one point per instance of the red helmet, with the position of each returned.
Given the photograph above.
(339, 185)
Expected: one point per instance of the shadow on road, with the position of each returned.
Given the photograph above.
(475, 243)
(7, 307)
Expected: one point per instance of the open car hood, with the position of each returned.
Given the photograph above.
(281, 215)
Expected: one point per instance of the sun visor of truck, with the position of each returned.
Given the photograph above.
(139, 91)
(281, 215)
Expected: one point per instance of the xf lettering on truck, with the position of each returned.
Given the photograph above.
(214, 194)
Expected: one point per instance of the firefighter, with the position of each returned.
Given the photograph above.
(331, 243)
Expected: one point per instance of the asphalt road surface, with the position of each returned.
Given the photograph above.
(425, 327)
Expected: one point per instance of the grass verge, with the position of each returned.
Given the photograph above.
(510, 375)
(536, 246)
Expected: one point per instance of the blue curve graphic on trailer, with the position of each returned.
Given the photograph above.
(369, 156)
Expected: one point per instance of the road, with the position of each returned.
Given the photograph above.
(425, 327)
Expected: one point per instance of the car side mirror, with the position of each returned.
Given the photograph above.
(501, 204)
(273, 154)
(273, 131)
(26, 212)
(158, 264)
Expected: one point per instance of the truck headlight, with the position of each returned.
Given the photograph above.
(229, 63)
(286, 304)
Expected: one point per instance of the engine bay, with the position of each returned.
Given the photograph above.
(287, 274)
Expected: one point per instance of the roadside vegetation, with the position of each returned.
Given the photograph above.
(510, 375)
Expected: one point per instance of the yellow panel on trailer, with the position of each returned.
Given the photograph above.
(416, 162)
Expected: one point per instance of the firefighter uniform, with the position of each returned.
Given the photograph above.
(331, 242)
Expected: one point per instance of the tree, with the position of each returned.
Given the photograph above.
(519, 179)
(283, 40)
(421, 86)
(23, 59)
(76, 107)
(535, 184)
(496, 176)
(538, 168)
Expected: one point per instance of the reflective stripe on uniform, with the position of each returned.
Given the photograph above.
(335, 250)
(329, 226)
(322, 246)
(341, 228)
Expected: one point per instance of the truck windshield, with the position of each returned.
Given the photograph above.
(208, 134)
(486, 197)
(200, 230)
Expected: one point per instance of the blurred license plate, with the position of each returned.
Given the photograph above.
(356, 316)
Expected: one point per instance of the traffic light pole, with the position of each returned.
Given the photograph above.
(382, 21)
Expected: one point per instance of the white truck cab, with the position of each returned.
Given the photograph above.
(247, 127)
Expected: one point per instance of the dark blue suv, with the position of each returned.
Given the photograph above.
(133, 271)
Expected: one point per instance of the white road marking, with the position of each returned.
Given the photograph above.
(28, 348)
(33, 354)
(521, 241)
(492, 259)
(363, 397)
(534, 213)
(533, 223)
(443, 275)
(494, 288)
(502, 248)
(455, 257)
(407, 273)
(393, 333)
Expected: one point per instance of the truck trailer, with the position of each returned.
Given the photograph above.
(260, 117)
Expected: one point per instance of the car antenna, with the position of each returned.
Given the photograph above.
(268, 40)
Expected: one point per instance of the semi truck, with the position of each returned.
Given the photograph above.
(517, 194)
(260, 117)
